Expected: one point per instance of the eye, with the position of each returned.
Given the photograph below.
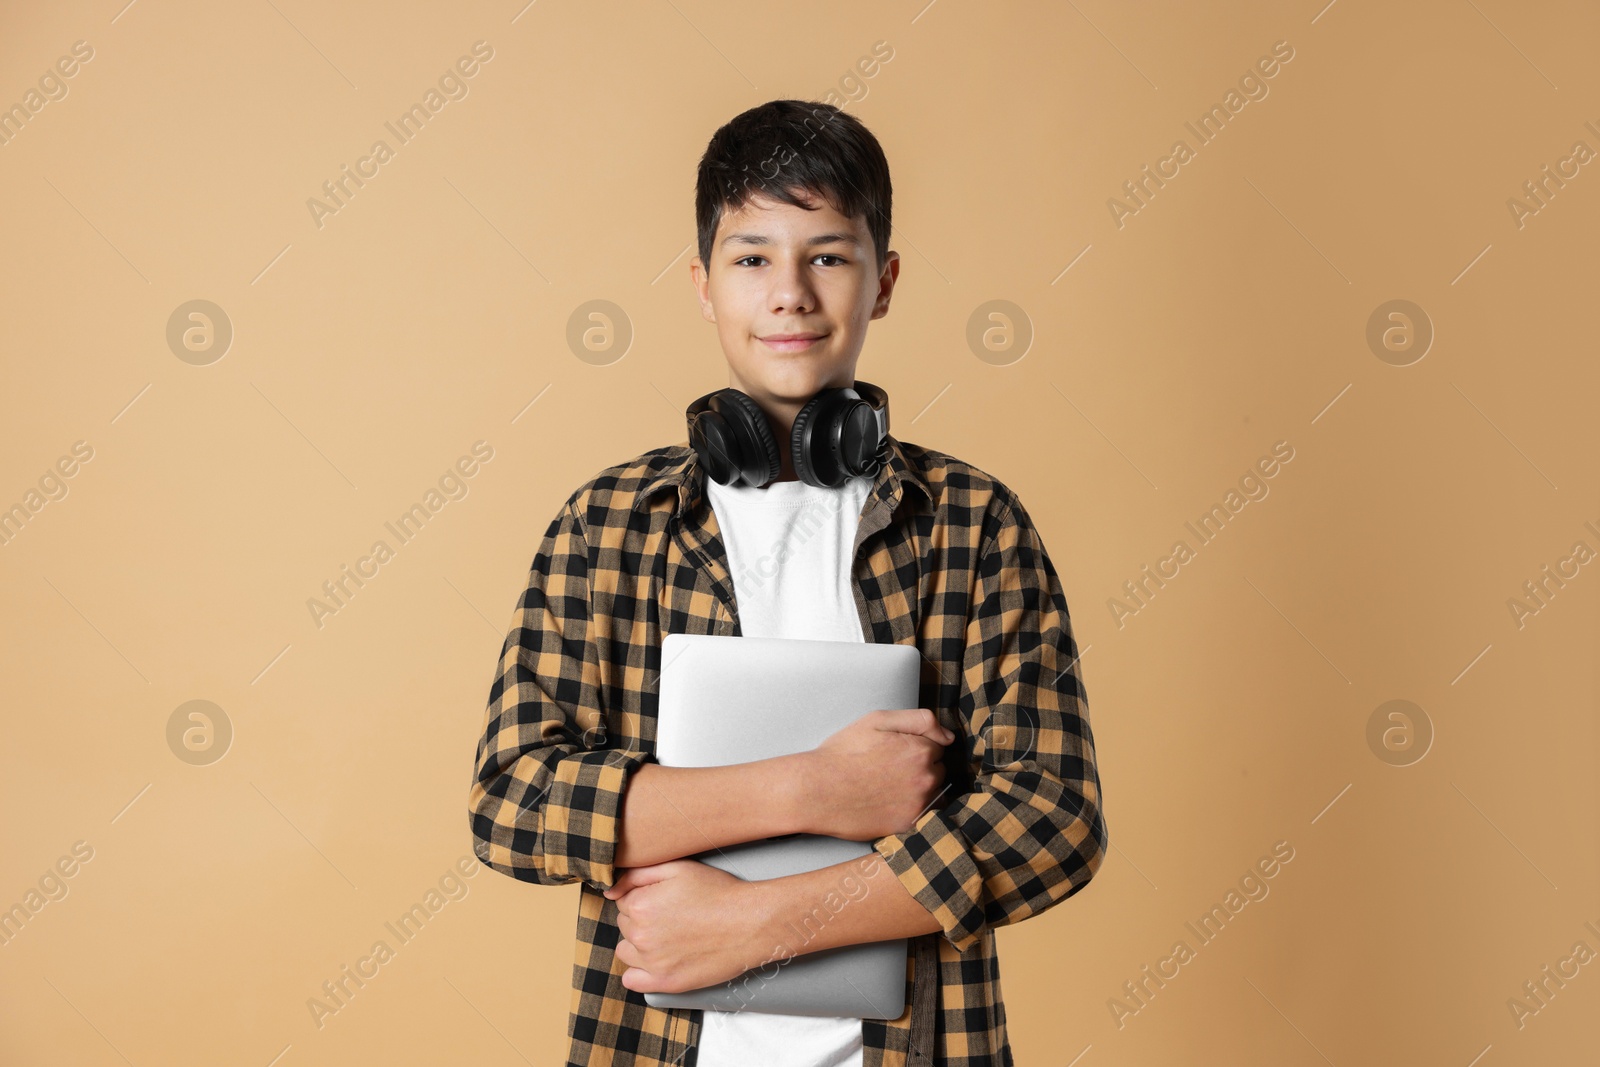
(825, 255)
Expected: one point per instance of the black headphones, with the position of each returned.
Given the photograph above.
(840, 433)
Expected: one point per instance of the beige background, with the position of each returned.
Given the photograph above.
(432, 310)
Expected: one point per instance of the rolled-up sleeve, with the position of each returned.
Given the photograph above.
(546, 799)
(1030, 832)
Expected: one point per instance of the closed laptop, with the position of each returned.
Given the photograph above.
(725, 700)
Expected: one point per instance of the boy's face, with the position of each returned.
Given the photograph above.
(778, 270)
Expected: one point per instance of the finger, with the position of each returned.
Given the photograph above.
(920, 721)
(626, 954)
(655, 872)
(620, 886)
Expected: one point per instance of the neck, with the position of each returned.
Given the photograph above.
(782, 425)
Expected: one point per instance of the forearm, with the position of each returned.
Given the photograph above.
(671, 812)
(868, 903)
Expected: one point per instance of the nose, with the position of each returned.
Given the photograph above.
(791, 288)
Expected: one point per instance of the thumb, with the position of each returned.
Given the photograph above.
(634, 877)
(629, 879)
(917, 721)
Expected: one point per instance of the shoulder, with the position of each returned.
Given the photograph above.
(959, 490)
(979, 511)
(618, 489)
(623, 482)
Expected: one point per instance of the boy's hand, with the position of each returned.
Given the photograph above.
(685, 925)
(875, 776)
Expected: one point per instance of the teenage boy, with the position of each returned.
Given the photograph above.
(983, 805)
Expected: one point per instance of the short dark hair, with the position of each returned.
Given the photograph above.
(785, 149)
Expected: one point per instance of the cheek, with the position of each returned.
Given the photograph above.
(732, 309)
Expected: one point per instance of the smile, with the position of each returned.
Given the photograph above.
(796, 344)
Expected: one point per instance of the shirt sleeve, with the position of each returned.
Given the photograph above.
(1029, 833)
(546, 799)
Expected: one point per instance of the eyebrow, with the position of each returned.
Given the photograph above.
(819, 239)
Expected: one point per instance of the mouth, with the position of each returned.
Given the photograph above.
(791, 342)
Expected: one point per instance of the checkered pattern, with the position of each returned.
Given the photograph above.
(946, 559)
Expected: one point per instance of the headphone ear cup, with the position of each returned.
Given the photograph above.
(712, 438)
(811, 441)
(861, 449)
(757, 459)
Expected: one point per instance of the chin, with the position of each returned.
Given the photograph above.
(796, 390)
(800, 374)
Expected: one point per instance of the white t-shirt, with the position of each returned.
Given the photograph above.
(789, 550)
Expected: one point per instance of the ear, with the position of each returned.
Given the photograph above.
(701, 279)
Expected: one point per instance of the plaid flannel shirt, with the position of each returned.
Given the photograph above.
(946, 558)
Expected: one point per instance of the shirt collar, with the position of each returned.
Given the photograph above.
(684, 472)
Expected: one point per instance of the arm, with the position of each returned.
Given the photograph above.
(544, 804)
(869, 905)
(671, 812)
(686, 925)
(875, 775)
(1030, 833)
(549, 802)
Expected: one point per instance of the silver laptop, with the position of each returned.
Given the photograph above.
(730, 700)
